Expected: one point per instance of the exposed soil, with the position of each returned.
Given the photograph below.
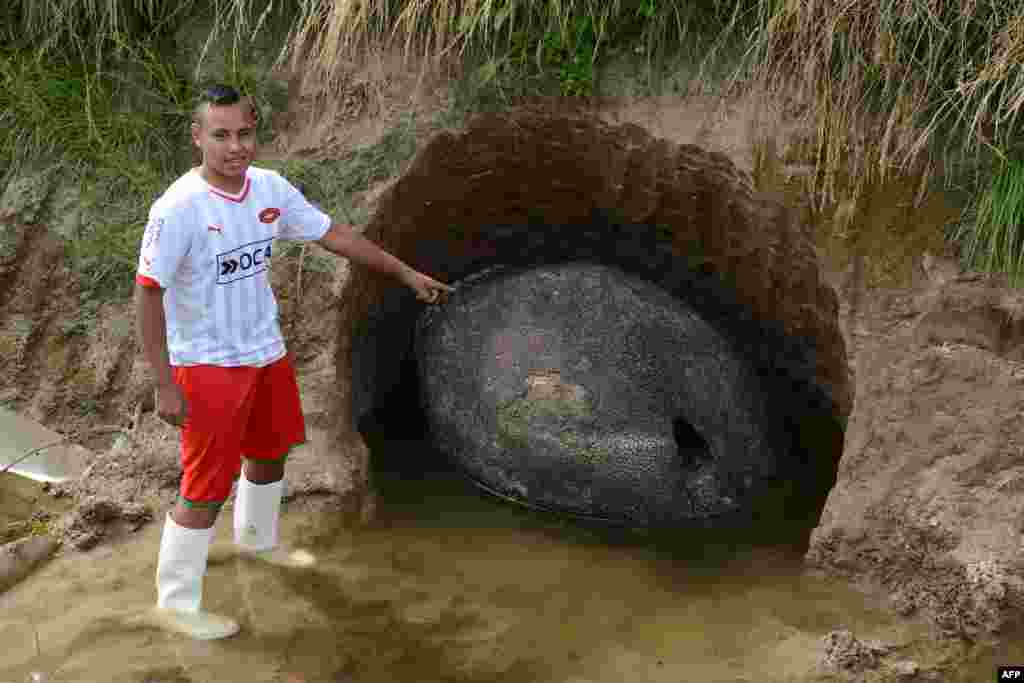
(924, 510)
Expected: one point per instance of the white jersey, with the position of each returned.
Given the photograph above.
(210, 251)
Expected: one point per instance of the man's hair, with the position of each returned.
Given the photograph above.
(217, 95)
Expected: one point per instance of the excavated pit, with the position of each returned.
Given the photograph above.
(528, 191)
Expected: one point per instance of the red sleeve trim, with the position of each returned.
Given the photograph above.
(147, 282)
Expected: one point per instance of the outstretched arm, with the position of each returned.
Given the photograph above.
(344, 241)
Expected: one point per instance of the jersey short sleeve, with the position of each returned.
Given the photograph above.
(300, 220)
(165, 244)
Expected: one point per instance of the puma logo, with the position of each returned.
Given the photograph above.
(215, 228)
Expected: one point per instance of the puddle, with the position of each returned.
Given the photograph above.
(449, 585)
(36, 452)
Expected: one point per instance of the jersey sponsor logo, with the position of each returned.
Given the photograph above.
(244, 261)
(215, 228)
(269, 215)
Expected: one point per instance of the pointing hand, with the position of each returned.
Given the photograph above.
(427, 288)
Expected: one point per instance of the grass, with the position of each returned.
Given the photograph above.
(57, 107)
(506, 40)
(890, 88)
(992, 235)
(897, 90)
(925, 74)
(514, 428)
(89, 80)
(886, 82)
(90, 26)
(117, 128)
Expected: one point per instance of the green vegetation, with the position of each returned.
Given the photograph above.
(330, 183)
(80, 25)
(993, 237)
(514, 426)
(886, 81)
(901, 88)
(517, 46)
(121, 137)
(891, 88)
(87, 89)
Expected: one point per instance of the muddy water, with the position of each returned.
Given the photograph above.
(447, 585)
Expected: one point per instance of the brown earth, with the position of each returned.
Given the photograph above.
(926, 509)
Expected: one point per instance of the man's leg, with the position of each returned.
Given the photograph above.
(275, 425)
(181, 567)
(219, 401)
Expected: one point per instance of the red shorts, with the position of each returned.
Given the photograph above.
(234, 412)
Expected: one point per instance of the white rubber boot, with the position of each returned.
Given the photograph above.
(257, 513)
(179, 583)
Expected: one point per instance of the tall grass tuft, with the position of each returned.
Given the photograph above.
(60, 107)
(888, 87)
(994, 240)
(91, 26)
(57, 25)
(515, 33)
(888, 83)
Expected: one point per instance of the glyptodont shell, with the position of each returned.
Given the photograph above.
(563, 386)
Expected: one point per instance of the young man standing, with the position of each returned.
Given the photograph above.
(207, 321)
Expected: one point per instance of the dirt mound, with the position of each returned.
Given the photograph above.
(927, 506)
(96, 518)
(528, 188)
(845, 652)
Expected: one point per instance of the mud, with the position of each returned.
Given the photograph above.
(19, 558)
(445, 585)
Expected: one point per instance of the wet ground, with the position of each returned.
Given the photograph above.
(450, 586)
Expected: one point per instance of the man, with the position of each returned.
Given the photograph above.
(207, 321)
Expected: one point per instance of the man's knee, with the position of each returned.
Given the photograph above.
(194, 517)
(264, 471)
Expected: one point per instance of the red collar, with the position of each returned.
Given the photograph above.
(237, 198)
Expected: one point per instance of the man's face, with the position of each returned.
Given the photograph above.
(226, 134)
